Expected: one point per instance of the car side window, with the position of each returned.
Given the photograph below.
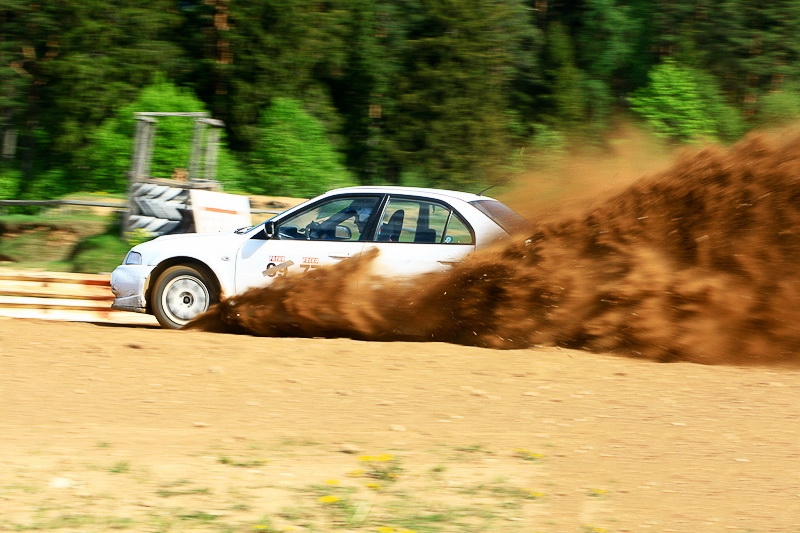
(422, 222)
(338, 219)
(457, 231)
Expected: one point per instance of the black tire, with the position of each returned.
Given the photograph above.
(181, 293)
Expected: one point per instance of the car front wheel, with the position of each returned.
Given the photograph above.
(181, 293)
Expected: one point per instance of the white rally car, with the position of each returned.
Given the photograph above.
(416, 230)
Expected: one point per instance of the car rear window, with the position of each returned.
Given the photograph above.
(503, 216)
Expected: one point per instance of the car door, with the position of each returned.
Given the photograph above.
(322, 234)
(417, 235)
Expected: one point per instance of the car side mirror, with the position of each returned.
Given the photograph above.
(343, 233)
(269, 229)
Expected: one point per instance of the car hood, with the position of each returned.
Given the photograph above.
(197, 245)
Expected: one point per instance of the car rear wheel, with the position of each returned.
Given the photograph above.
(181, 293)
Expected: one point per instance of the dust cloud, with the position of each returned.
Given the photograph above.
(698, 262)
(568, 183)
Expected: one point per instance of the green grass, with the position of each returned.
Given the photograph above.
(61, 240)
(74, 522)
(374, 493)
(200, 516)
(99, 253)
(121, 467)
(241, 463)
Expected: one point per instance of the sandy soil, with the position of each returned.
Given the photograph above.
(141, 429)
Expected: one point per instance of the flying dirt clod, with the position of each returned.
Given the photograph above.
(698, 263)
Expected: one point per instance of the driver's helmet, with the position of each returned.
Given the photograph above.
(362, 214)
(360, 211)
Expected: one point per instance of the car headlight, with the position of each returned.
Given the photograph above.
(133, 258)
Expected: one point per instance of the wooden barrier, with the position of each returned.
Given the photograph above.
(62, 296)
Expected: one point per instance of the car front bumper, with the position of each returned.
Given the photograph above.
(129, 285)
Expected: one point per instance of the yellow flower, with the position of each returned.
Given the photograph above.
(332, 482)
(598, 492)
(374, 486)
(382, 458)
(329, 499)
(385, 529)
(356, 473)
(527, 454)
(535, 494)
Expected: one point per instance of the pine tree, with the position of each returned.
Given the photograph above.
(263, 50)
(361, 93)
(450, 125)
(750, 47)
(564, 80)
(79, 61)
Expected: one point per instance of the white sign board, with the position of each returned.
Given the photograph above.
(216, 212)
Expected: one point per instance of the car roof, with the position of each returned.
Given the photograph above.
(397, 189)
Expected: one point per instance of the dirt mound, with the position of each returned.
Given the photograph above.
(698, 263)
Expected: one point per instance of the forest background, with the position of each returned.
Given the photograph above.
(316, 94)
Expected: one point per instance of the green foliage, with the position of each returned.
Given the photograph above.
(293, 156)
(781, 106)
(671, 104)
(450, 121)
(361, 92)
(280, 48)
(138, 236)
(566, 82)
(99, 253)
(547, 144)
(608, 45)
(66, 66)
(9, 181)
(683, 104)
(728, 122)
(50, 183)
(59, 240)
(430, 92)
(607, 37)
(107, 158)
(106, 51)
(749, 47)
(599, 104)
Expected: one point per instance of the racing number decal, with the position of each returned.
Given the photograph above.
(309, 263)
(280, 269)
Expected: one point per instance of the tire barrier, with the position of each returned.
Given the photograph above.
(159, 209)
(62, 296)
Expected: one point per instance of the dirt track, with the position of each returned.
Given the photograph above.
(141, 429)
(151, 430)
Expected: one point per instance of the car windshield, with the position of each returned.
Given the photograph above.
(342, 218)
(503, 216)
